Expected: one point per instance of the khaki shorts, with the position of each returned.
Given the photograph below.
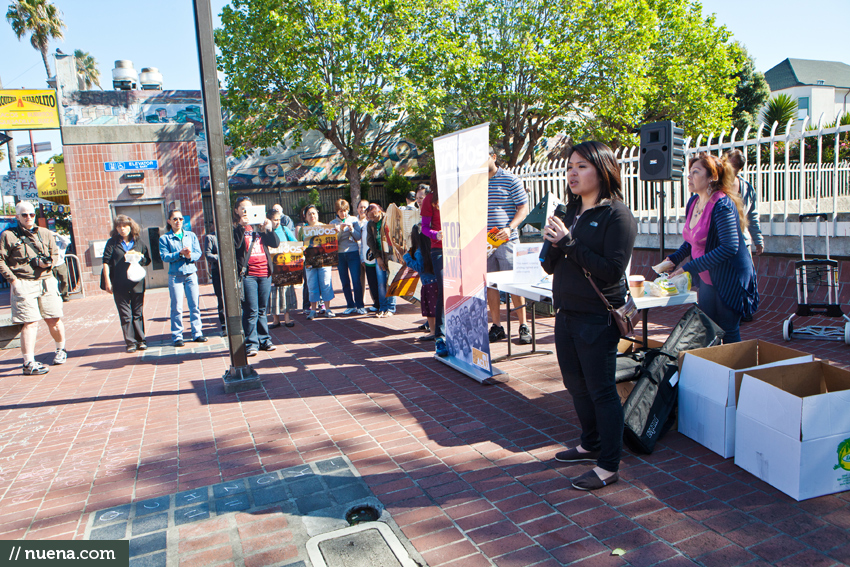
(502, 259)
(39, 299)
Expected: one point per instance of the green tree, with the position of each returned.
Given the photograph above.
(781, 108)
(39, 18)
(56, 158)
(540, 65)
(691, 69)
(750, 94)
(87, 69)
(350, 69)
(25, 161)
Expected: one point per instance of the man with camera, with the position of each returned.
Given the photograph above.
(27, 256)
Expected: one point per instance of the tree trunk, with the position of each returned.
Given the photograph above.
(352, 172)
(46, 64)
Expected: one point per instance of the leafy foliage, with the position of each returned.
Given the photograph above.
(781, 108)
(39, 18)
(87, 69)
(397, 188)
(355, 70)
(56, 158)
(312, 198)
(750, 94)
(25, 161)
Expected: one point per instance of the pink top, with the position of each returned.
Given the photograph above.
(697, 235)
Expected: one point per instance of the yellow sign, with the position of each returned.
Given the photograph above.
(51, 182)
(28, 110)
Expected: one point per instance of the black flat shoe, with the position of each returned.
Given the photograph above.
(290, 324)
(590, 481)
(201, 339)
(573, 456)
(178, 343)
(268, 347)
(427, 338)
(274, 325)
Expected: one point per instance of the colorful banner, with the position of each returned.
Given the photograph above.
(461, 162)
(288, 260)
(22, 109)
(320, 245)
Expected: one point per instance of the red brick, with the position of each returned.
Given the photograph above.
(208, 557)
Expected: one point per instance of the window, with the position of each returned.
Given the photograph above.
(802, 107)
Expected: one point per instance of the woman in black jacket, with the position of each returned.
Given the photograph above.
(594, 240)
(254, 268)
(129, 295)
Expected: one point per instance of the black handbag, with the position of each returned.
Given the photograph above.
(624, 316)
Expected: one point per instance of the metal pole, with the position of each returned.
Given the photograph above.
(661, 220)
(240, 375)
(32, 149)
(10, 149)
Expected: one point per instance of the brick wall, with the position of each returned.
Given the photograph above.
(91, 189)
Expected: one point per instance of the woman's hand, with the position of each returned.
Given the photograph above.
(108, 286)
(678, 272)
(555, 230)
(440, 235)
(267, 225)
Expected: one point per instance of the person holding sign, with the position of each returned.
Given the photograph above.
(124, 249)
(181, 249)
(283, 298)
(252, 240)
(317, 275)
(594, 240)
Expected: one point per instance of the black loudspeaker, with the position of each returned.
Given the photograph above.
(662, 152)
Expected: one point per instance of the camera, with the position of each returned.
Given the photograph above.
(35, 263)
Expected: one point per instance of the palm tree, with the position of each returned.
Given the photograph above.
(780, 108)
(41, 19)
(87, 69)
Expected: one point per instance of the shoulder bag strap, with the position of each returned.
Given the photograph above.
(596, 289)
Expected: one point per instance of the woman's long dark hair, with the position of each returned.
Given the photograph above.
(602, 158)
(124, 220)
(435, 192)
(419, 241)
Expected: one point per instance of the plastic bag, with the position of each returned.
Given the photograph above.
(682, 282)
(135, 273)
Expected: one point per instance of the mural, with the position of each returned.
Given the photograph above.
(315, 160)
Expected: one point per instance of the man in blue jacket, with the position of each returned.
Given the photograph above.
(181, 249)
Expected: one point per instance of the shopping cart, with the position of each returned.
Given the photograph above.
(817, 292)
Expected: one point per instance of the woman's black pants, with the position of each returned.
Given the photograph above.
(587, 354)
(130, 312)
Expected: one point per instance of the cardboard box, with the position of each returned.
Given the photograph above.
(709, 381)
(793, 428)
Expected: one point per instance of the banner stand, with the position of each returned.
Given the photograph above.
(479, 375)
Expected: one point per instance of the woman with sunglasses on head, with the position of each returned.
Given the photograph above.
(593, 242)
(254, 270)
(181, 249)
(714, 242)
(129, 295)
(317, 278)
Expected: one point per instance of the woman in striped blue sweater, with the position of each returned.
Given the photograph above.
(715, 248)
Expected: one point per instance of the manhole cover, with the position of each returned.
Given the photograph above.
(370, 544)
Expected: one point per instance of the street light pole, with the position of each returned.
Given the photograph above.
(240, 376)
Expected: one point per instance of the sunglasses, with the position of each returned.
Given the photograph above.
(177, 218)
(27, 215)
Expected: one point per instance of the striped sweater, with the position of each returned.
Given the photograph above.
(726, 258)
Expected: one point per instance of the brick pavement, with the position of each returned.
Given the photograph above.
(464, 470)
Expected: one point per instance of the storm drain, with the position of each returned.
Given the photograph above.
(369, 544)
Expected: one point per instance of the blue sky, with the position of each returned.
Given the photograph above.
(161, 33)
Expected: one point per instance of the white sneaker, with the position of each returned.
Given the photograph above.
(329, 313)
(361, 311)
(311, 315)
(350, 311)
(60, 357)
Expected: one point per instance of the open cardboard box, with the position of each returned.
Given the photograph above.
(793, 428)
(709, 379)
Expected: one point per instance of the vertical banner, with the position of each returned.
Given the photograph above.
(461, 162)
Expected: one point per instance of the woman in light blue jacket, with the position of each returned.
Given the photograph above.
(349, 258)
(181, 249)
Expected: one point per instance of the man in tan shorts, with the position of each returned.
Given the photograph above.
(27, 256)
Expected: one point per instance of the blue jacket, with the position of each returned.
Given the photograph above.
(169, 250)
(726, 258)
(416, 264)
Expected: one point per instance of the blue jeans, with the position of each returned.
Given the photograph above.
(587, 355)
(254, 304)
(349, 276)
(319, 284)
(439, 319)
(387, 303)
(727, 319)
(177, 285)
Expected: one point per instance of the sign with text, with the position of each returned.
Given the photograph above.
(51, 182)
(461, 162)
(23, 109)
(130, 165)
(321, 246)
(288, 259)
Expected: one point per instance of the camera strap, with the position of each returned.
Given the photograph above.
(27, 240)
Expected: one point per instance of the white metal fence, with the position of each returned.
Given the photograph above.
(785, 187)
